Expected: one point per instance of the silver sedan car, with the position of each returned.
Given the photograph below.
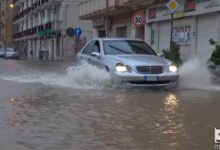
(130, 62)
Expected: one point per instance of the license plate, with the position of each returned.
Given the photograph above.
(151, 78)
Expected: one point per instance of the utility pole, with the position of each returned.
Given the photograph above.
(106, 20)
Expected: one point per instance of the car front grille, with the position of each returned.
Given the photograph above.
(150, 69)
(149, 82)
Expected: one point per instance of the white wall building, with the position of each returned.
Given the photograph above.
(40, 28)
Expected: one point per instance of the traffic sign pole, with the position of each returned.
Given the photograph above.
(172, 5)
(171, 31)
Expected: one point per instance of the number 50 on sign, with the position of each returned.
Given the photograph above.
(138, 19)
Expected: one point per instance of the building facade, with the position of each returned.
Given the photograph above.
(40, 28)
(119, 17)
(6, 15)
(195, 23)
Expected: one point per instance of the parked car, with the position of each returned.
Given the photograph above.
(2, 51)
(130, 62)
(11, 53)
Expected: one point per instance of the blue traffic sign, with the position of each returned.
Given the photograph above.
(77, 32)
(70, 32)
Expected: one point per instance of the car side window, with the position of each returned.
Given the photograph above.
(96, 47)
(89, 48)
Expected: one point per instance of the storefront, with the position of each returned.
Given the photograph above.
(195, 23)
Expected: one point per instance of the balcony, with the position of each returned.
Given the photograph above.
(97, 8)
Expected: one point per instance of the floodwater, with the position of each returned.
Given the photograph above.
(51, 106)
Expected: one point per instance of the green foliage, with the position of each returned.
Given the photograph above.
(215, 57)
(173, 55)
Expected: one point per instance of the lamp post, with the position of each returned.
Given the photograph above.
(106, 19)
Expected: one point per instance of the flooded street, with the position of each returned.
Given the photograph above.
(48, 106)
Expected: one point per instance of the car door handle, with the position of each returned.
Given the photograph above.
(89, 59)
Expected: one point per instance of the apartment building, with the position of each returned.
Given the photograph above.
(40, 28)
(6, 15)
(195, 23)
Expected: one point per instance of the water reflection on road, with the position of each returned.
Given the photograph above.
(52, 118)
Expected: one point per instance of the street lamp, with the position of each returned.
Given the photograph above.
(11, 5)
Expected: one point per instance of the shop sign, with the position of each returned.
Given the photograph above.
(138, 19)
(49, 33)
(207, 5)
(162, 12)
(152, 13)
(190, 6)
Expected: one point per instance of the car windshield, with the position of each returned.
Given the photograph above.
(1, 49)
(120, 47)
(10, 50)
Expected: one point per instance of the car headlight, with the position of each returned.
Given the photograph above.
(123, 68)
(172, 68)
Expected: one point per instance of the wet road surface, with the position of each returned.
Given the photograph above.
(39, 116)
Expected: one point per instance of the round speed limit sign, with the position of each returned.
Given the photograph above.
(138, 19)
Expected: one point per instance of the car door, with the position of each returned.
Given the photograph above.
(86, 53)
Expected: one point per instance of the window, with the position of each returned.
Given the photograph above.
(101, 33)
(121, 32)
(96, 47)
(88, 48)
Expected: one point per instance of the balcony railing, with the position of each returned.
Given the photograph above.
(93, 8)
(143, 2)
(54, 26)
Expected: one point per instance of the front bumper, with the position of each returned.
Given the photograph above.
(145, 80)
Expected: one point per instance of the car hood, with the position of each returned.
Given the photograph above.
(140, 60)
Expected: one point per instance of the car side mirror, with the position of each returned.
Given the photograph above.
(95, 54)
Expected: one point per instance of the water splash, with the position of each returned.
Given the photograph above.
(84, 76)
(195, 75)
